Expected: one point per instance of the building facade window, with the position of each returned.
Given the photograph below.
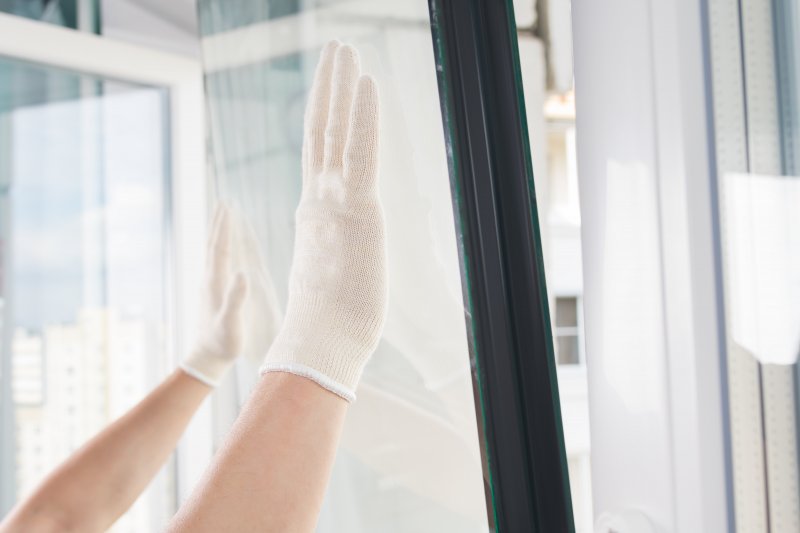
(567, 331)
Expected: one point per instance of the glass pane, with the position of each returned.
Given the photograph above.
(82, 255)
(548, 84)
(410, 458)
(76, 14)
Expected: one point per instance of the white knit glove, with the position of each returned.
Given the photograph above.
(220, 338)
(337, 287)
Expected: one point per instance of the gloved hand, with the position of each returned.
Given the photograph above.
(220, 338)
(337, 287)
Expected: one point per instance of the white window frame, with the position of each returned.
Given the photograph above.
(643, 120)
(182, 77)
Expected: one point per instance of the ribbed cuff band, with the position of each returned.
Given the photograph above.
(198, 376)
(314, 375)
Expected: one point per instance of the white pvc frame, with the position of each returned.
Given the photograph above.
(645, 131)
(182, 77)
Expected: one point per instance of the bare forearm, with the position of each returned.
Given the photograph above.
(98, 483)
(272, 473)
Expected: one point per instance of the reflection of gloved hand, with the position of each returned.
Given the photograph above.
(220, 339)
(337, 287)
(262, 310)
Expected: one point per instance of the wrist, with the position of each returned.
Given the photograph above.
(206, 366)
(323, 380)
(329, 344)
(335, 362)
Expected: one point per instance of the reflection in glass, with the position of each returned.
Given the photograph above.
(410, 458)
(83, 188)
